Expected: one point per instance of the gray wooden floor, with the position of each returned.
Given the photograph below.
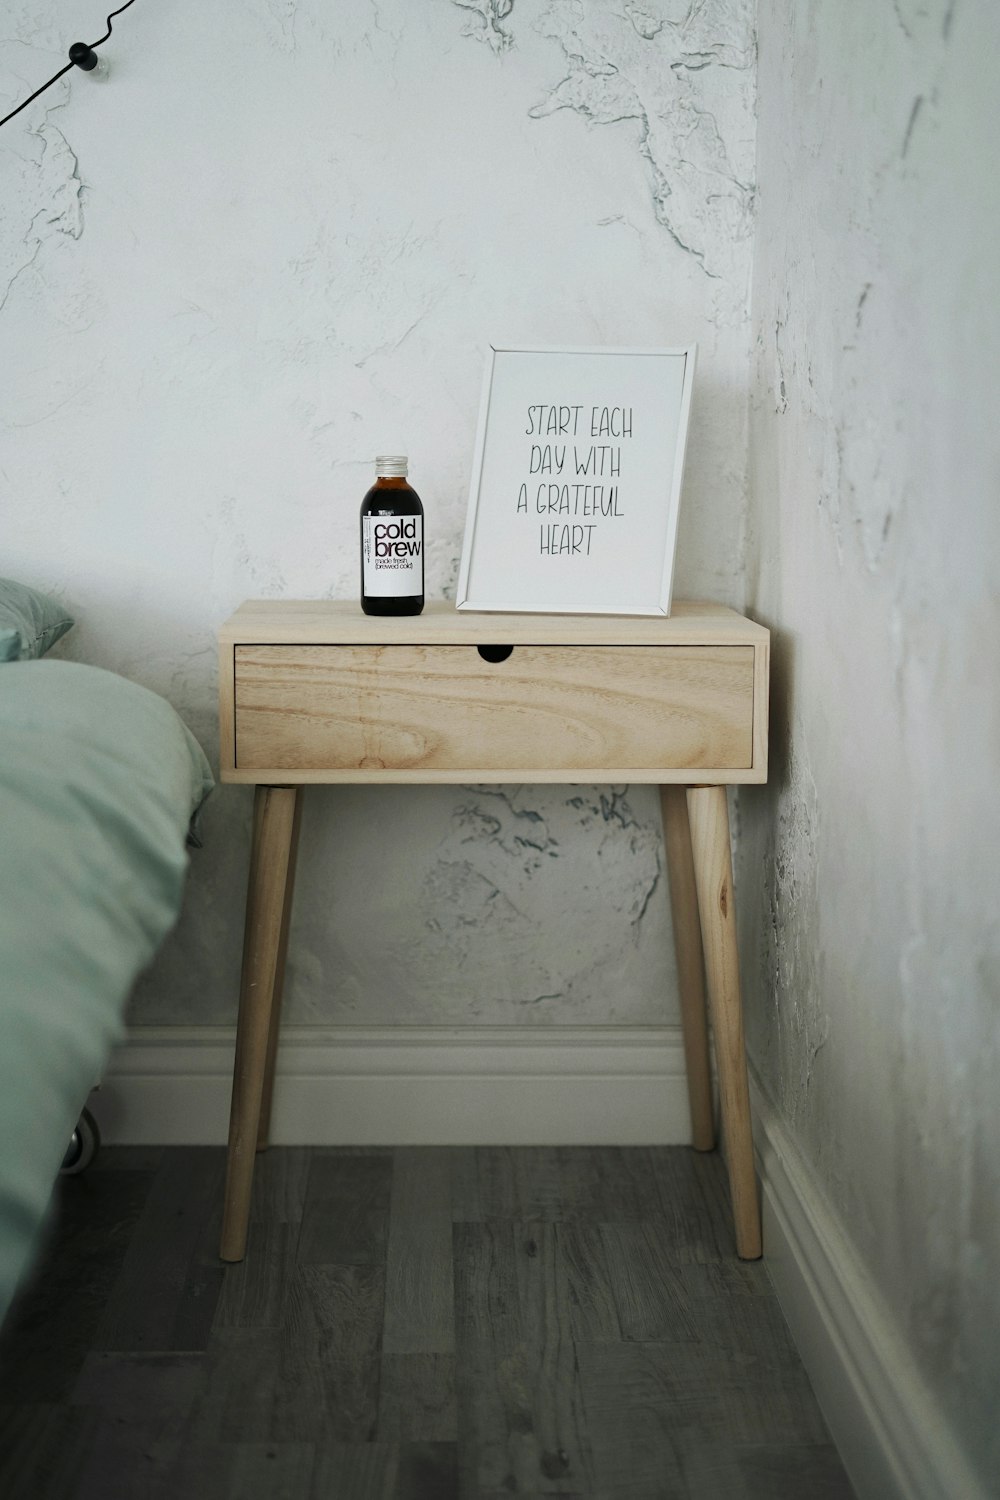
(410, 1324)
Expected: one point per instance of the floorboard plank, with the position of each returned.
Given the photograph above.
(519, 1407)
(558, 1420)
(636, 1436)
(240, 1471)
(328, 1377)
(42, 1447)
(157, 1393)
(53, 1322)
(355, 1471)
(466, 1199)
(280, 1183)
(565, 1184)
(127, 1159)
(427, 1471)
(255, 1290)
(496, 1445)
(134, 1464)
(593, 1309)
(165, 1296)
(650, 1296)
(244, 1370)
(346, 1212)
(417, 1398)
(689, 1387)
(742, 1329)
(692, 1192)
(419, 1288)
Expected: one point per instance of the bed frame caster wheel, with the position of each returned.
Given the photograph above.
(84, 1144)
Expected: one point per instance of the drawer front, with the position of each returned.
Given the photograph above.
(441, 709)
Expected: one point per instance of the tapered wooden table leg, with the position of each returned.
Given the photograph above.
(709, 817)
(690, 964)
(264, 1124)
(274, 820)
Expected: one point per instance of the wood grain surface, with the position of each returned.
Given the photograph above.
(584, 1330)
(581, 697)
(341, 622)
(601, 710)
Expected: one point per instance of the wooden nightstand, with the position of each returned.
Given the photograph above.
(319, 692)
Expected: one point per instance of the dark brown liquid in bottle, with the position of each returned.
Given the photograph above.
(390, 506)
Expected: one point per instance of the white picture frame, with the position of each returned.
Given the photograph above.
(575, 495)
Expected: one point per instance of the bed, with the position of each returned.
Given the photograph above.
(99, 783)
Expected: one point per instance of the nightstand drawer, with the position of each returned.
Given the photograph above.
(427, 712)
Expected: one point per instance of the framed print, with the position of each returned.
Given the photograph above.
(576, 481)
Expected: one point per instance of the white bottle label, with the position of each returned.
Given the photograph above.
(392, 550)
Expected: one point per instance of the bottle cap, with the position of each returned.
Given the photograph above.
(391, 466)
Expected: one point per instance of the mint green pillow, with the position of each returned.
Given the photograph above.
(30, 622)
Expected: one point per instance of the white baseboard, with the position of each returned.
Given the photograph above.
(892, 1437)
(409, 1086)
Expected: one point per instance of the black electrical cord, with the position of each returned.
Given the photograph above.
(79, 60)
(35, 95)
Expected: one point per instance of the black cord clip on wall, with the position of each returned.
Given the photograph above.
(83, 56)
(80, 56)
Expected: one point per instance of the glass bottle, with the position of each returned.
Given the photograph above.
(392, 542)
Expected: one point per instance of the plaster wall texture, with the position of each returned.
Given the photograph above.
(871, 946)
(277, 240)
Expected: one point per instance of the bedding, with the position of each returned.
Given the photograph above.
(30, 622)
(99, 780)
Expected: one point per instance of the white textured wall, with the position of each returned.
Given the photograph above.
(277, 239)
(872, 949)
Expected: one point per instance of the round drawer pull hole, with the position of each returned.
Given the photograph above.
(495, 653)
